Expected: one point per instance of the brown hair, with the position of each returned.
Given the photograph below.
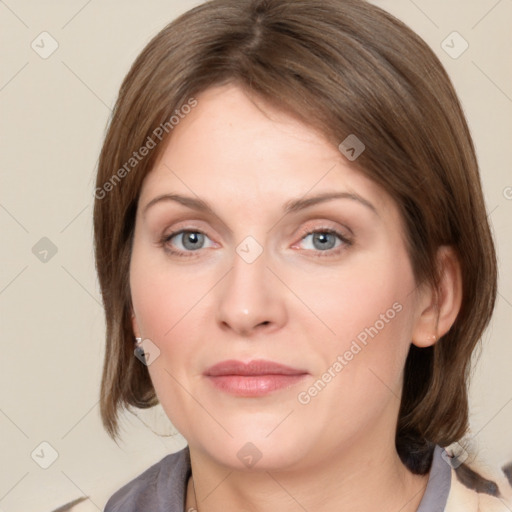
(343, 67)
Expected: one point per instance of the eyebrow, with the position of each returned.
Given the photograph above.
(291, 206)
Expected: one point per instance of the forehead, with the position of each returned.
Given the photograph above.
(233, 147)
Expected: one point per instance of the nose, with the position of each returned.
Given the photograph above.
(251, 299)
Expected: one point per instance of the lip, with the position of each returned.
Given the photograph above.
(252, 368)
(255, 378)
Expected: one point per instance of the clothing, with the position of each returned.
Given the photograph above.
(162, 488)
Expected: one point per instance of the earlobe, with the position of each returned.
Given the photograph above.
(439, 307)
(135, 327)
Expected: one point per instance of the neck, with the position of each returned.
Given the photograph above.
(354, 480)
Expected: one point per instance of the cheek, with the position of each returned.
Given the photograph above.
(171, 307)
(360, 379)
(366, 298)
(368, 310)
(165, 304)
(164, 296)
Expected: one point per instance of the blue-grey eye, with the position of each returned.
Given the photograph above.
(191, 240)
(186, 241)
(322, 240)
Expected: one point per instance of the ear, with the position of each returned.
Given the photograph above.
(135, 327)
(439, 307)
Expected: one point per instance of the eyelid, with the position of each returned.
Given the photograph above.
(321, 225)
(185, 225)
(332, 252)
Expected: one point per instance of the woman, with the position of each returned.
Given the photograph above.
(289, 223)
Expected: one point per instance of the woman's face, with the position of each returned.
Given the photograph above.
(274, 271)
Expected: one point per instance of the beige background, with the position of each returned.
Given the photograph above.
(53, 116)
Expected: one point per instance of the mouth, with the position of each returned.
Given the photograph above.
(255, 378)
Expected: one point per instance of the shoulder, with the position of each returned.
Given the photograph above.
(472, 490)
(161, 487)
(464, 499)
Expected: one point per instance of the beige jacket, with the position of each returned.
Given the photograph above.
(460, 499)
(463, 499)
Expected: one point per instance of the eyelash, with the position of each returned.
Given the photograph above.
(330, 252)
(322, 254)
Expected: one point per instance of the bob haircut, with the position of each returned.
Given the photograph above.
(342, 67)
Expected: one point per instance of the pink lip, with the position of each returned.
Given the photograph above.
(255, 378)
(255, 367)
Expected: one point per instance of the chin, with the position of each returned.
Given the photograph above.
(253, 450)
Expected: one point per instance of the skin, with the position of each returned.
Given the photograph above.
(297, 303)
